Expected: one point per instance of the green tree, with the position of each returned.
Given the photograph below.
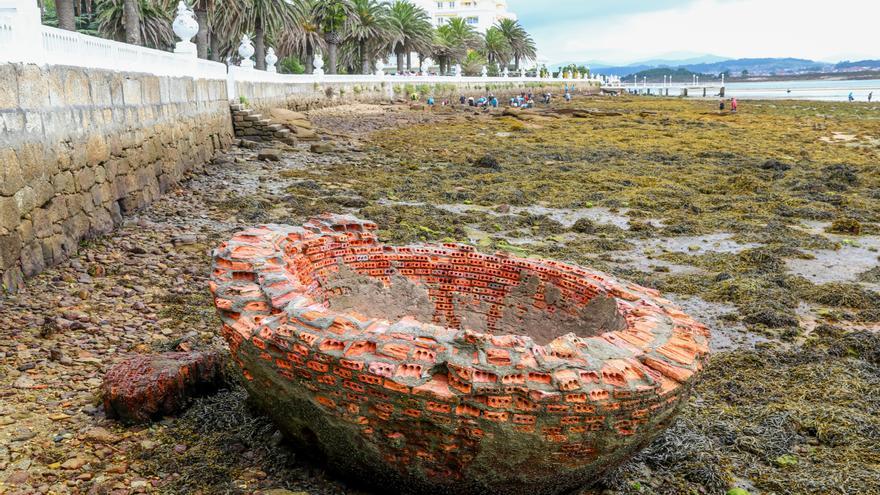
(496, 49)
(267, 16)
(413, 32)
(331, 15)
(473, 63)
(303, 38)
(153, 25)
(369, 29)
(522, 46)
(452, 42)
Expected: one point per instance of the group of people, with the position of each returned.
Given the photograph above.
(852, 98)
(482, 102)
(523, 100)
(733, 105)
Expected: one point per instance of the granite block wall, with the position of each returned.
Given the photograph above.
(81, 147)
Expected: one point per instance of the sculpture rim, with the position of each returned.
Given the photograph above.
(655, 356)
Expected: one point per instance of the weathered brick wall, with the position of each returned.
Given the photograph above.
(81, 147)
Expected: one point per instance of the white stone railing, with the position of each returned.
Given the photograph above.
(62, 47)
(24, 39)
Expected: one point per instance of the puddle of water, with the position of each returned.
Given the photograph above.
(568, 217)
(644, 256)
(717, 243)
(725, 335)
(856, 255)
(565, 216)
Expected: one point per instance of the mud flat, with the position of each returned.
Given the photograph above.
(732, 216)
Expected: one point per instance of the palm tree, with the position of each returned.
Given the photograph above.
(153, 26)
(413, 31)
(369, 28)
(473, 63)
(331, 15)
(131, 20)
(201, 9)
(303, 38)
(226, 27)
(64, 9)
(522, 46)
(452, 42)
(269, 16)
(495, 47)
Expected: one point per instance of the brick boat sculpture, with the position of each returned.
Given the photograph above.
(438, 369)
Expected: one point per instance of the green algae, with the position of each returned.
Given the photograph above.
(760, 175)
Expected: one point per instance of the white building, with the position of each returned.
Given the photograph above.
(481, 14)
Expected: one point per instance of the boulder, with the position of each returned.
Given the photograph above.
(290, 119)
(283, 115)
(146, 387)
(305, 134)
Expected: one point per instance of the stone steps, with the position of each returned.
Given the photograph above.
(252, 126)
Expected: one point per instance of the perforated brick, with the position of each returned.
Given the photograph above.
(436, 367)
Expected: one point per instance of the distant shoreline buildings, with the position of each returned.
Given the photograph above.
(481, 14)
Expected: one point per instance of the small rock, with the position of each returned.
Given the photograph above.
(321, 148)
(101, 435)
(22, 434)
(17, 478)
(24, 382)
(269, 155)
(75, 463)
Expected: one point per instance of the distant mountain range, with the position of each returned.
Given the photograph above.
(714, 65)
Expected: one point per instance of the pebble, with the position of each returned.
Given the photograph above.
(24, 382)
(74, 463)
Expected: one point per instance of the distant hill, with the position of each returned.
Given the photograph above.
(658, 75)
(758, 65)
(753, 66)
(860, 64)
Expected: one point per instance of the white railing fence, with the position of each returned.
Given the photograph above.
(24, 39)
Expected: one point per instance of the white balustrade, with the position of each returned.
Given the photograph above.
(23, 39)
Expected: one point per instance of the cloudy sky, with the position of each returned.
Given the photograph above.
(625, 31)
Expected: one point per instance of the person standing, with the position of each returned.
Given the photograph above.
(733, 105)
(870, 95)
(850, 97)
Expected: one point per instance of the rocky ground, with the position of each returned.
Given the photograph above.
(791, 403)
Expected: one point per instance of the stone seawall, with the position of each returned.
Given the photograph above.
(262, 96)
(81, 147)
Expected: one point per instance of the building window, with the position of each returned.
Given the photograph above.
(451, 5)
(473, 20)
(439, 5)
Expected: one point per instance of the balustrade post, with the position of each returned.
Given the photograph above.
(185, 26)
(21, 33)
(271, 60)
